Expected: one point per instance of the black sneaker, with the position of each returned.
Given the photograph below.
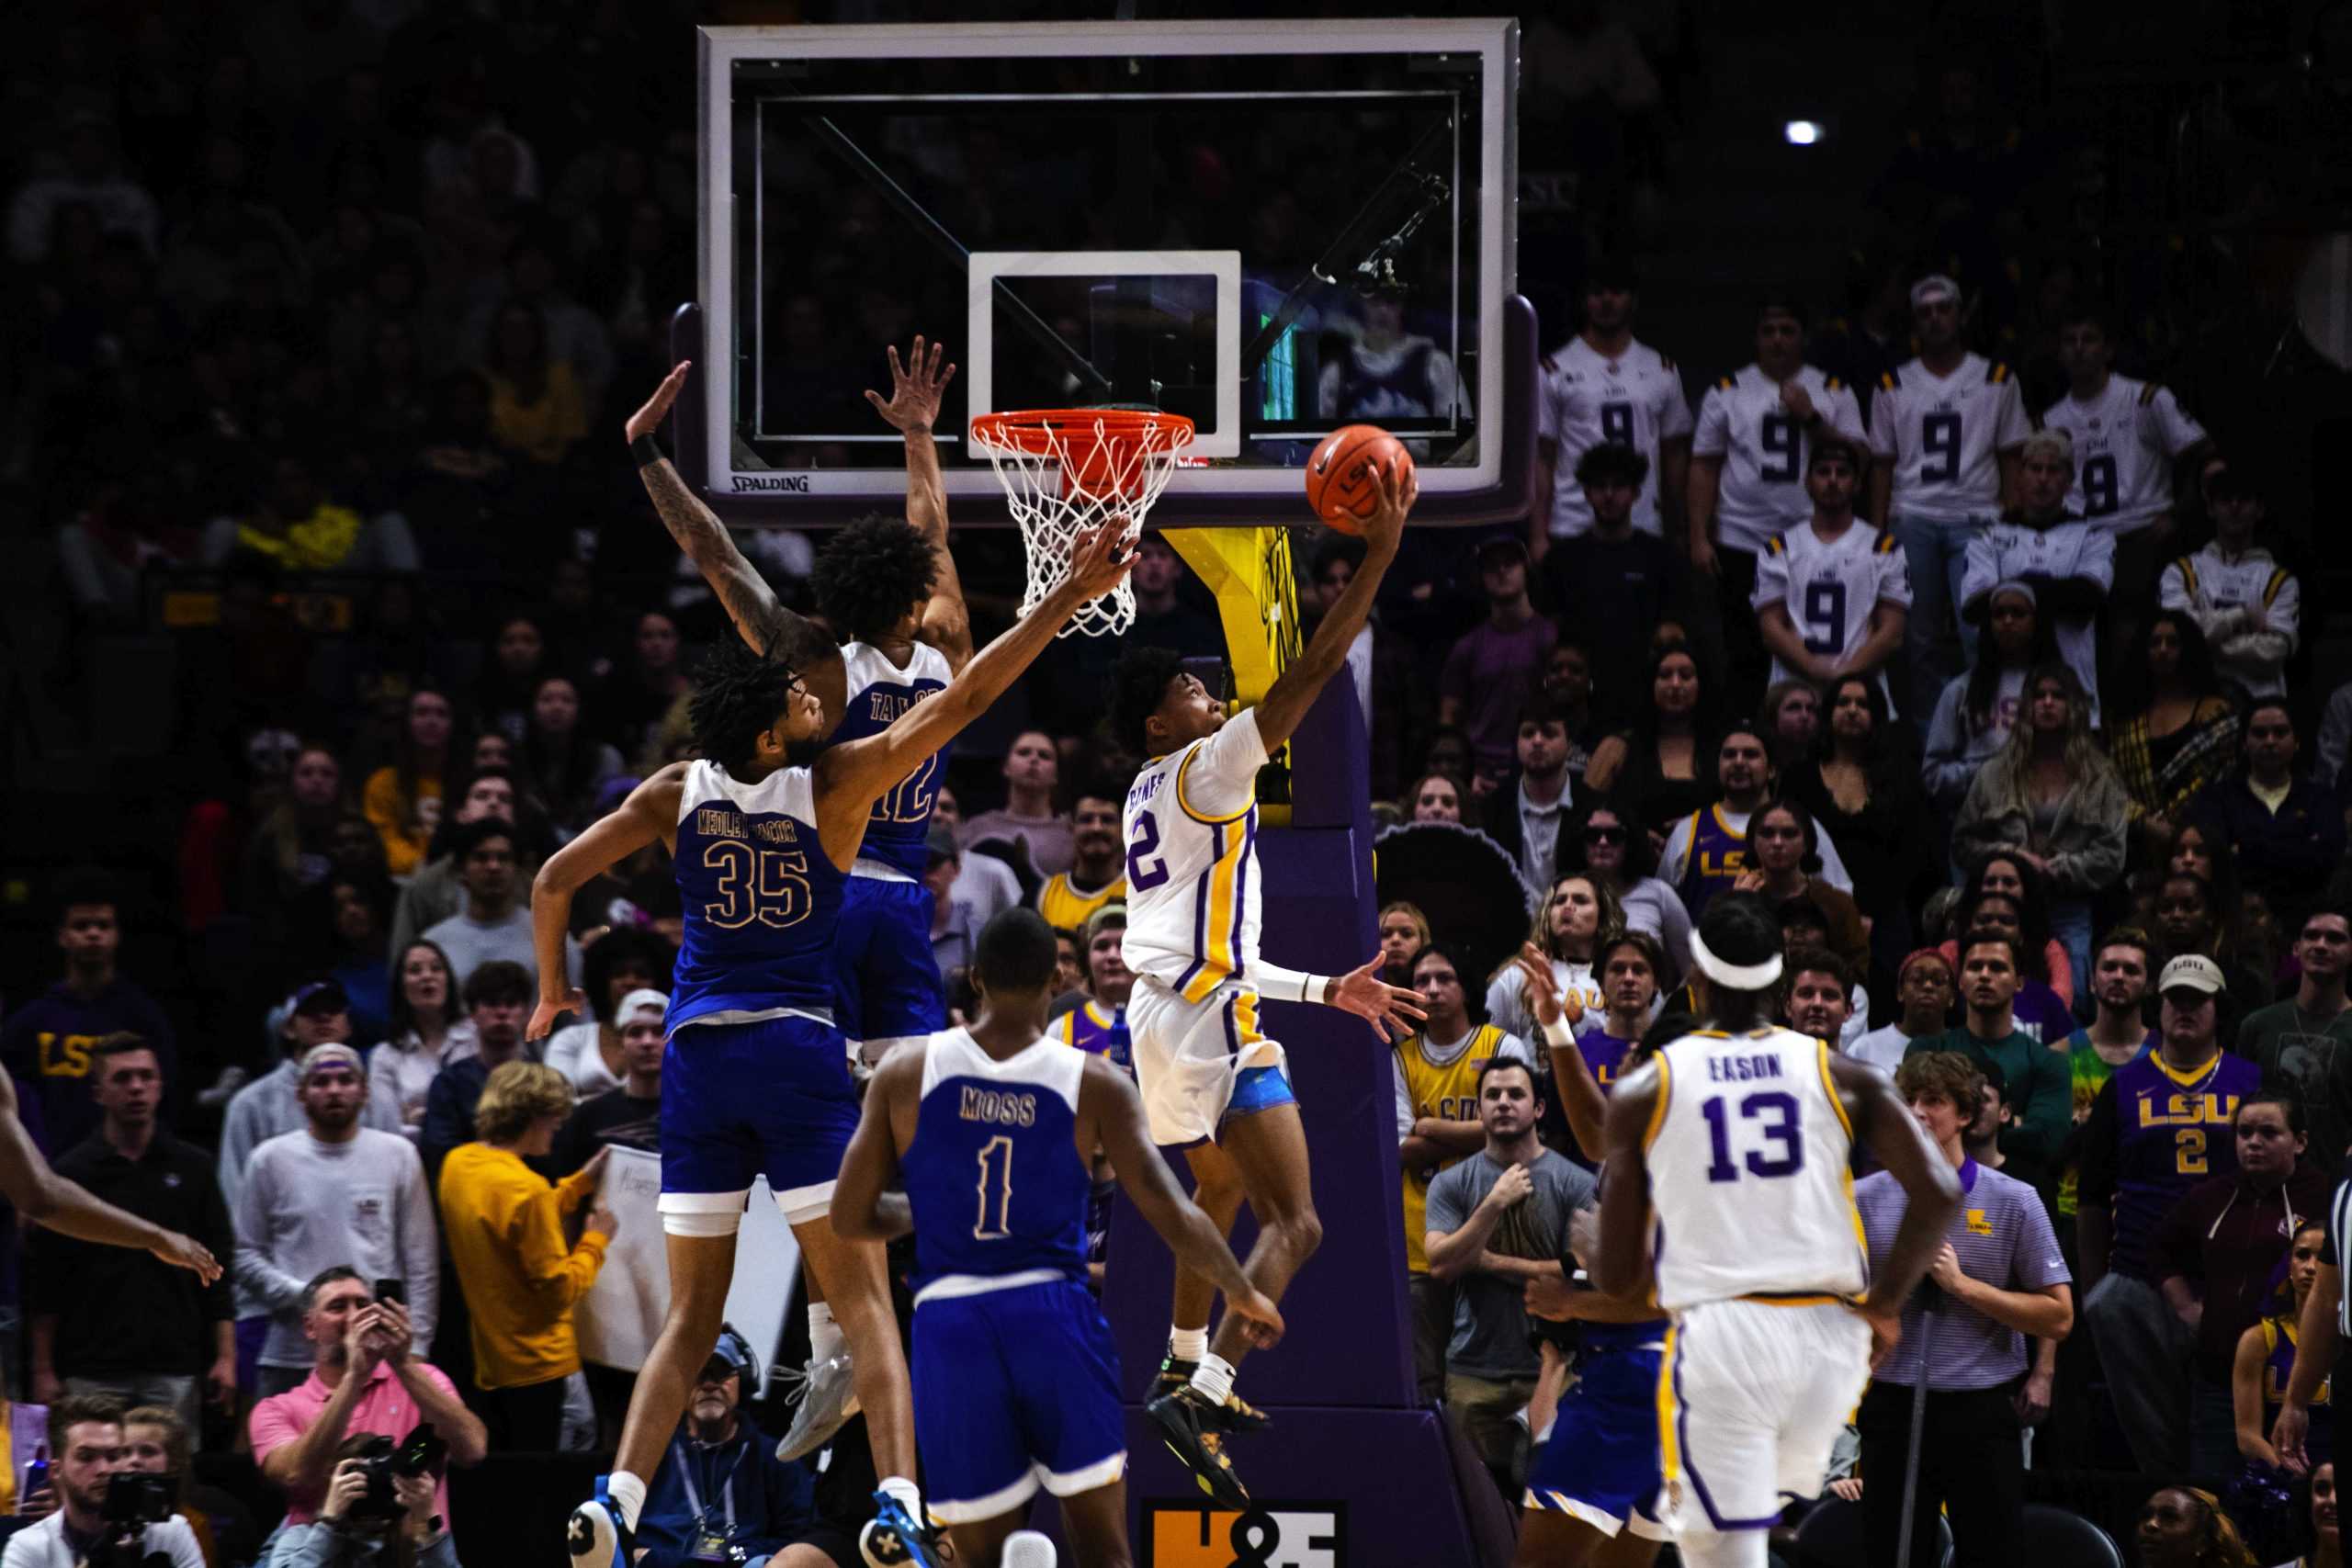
(1193, 1429)
(1239, 1414)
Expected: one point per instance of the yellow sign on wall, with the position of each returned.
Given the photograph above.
(1249, 571)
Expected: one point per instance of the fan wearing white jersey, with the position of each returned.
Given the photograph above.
(1727, 1191)
(1604, 387)
(1945, 429)
(1748, 463)
(2068, 563)
(1212, 1083)
(1833, 593)
(2129, 438)
(2248, 607)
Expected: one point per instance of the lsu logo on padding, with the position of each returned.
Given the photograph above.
(1273, 1535)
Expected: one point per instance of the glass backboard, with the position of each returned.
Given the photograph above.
(1273, 228)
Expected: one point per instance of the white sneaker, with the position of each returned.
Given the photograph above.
(1027, 1548)
(827, 1396)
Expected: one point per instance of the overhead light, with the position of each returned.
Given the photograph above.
(1802, 133)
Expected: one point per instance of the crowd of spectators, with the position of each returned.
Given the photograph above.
(1982, 661)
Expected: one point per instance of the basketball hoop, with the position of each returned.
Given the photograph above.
(1064, 470)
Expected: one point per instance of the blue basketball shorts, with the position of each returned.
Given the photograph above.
(739, 1101)
(885, 977)
(1014, 1389)
(1601, 1464)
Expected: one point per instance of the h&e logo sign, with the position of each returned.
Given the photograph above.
(1273, 1535)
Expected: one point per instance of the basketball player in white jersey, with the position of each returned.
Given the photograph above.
(1833, 593)
(1945, 429)
(1606, 387)
(1212, 1083)
(1728, 1189)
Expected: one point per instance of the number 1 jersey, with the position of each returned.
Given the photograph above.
(1192, 831)
(760, 899)
(993, 1172)
(1749, 1184)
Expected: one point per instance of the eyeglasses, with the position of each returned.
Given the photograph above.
(1604, 835)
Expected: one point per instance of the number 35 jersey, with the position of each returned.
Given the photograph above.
(1192, 831)
(1830, 587)
(1747, 1150)
(760, 899)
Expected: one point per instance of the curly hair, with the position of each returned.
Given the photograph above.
(1139, 686)
(870, 574)
(737, 695)
(1949, 1075)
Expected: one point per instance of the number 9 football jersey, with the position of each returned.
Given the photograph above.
(1944, 435)
(1830, 587)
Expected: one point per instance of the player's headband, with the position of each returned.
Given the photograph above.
(1737, 977)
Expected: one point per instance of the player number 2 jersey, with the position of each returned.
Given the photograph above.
(993, 1175)
(1192, 832)
(1749, 1184)
(760, 899)
(880, 693)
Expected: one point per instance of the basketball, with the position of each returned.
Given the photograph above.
(1341, 483)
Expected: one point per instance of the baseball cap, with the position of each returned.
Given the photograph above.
(2192, 972)
(318, 999)
(330, 1055)
(1113, 913)
(644, 999)
(733, 1353)
(1934, 289)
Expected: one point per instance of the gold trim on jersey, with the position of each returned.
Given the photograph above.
(2185, 1077)
(1830, 1085)
(1669, 1450)
(1221, 932)
(1658, 1111)
(1187, 806)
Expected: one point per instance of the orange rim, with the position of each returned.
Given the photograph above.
(1037, 432)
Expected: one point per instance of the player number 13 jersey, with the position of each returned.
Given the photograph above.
(1748, 1151)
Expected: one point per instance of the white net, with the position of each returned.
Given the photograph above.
(1066, 470)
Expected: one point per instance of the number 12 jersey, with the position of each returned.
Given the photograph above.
(1747, 1150)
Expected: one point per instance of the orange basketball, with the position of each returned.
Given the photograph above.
(1342, 486)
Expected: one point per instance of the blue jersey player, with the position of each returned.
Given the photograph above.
(992, 1130)
(889, 585)
(755, 1079)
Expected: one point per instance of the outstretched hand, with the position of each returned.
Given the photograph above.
(655, 408)
(1100, 559)
(1392, 1009)
(1399, 485)
(916, 388)
(187, 1252)
(1539, 988)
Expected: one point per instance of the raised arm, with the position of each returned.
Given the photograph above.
(1110, 1113)
(650, 812)
(751, 603)
(1619, 1263)
(1294, 692)
(852, 776)
(916, 388)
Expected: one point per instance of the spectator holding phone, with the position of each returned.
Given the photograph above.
(364, 1378)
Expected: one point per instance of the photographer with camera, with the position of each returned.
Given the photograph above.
(379, 1510)
(364, 1380)
(106, 1518)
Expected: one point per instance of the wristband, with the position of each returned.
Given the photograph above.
(1557, 1033)
(644, 450)
(1280, 985)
